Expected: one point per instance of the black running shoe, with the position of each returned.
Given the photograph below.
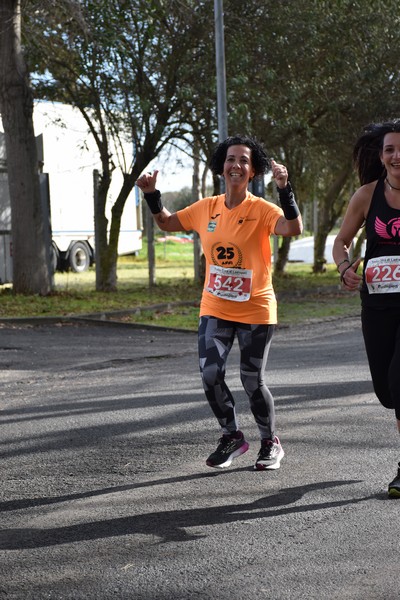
(229, 447)
(394, 486)
(270, 455)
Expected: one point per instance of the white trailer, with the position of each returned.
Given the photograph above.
(69, 156)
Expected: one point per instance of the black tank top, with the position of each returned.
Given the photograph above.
(383, 239)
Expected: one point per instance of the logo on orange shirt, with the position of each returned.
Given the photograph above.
(226, 256)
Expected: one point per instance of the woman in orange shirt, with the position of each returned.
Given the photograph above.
(238, 297)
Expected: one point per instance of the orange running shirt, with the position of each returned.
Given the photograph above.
(237, 249)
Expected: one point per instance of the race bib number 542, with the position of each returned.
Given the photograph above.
(230, 284)
(382, 275)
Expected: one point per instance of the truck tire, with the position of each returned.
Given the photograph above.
(79, 257)
(54, 257)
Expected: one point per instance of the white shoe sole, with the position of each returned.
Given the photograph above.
(259, 466)
(234, 454)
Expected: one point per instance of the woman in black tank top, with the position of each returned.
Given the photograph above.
(376, 206)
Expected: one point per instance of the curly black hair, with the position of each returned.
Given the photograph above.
(260, 161)
(367, 150)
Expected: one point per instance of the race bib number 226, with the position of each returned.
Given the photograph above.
(382, 275)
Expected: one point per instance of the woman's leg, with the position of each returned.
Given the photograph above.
(215, 342)
(381, 331)
(254, 342)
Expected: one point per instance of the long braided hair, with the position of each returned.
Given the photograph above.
(366, 153)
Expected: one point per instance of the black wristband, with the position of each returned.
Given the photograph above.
(288, 202)
(153, 200)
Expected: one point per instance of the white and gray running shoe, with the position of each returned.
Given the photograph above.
(270, 455)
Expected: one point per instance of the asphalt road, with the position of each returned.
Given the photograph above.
(105, 493)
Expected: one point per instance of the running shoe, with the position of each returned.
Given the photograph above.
(270, 455)
(229, 447)
(394, 486)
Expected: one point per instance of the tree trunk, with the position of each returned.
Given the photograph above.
(319, 251)
(357, 251)
(283, 254)
(30, 228)
(329, 209)
(106, 266)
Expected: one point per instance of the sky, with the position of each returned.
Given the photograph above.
(175, 170)
(175, 166)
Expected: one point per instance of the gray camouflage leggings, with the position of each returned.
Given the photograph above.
(216, 338)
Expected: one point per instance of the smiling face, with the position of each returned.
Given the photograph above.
(390, 154)
(238, 167)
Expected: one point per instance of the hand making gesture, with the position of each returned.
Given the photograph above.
(147, 182)
(279, 173)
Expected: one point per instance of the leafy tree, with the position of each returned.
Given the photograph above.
(302, 77)
(30, 233)
(314, 74)
(128, 66)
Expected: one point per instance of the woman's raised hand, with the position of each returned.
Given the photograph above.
(279, 173)
(147, 182)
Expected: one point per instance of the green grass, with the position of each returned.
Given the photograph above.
(302, 295)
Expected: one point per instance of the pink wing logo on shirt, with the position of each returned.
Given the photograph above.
(390, 231)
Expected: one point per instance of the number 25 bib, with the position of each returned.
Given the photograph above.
(382, 275)
(231, 284)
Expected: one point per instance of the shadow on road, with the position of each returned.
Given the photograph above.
(168, 525)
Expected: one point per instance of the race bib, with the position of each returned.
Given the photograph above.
(230, 284)
(382, 275)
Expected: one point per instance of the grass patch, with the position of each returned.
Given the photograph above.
(302, 295)
(318, 307)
